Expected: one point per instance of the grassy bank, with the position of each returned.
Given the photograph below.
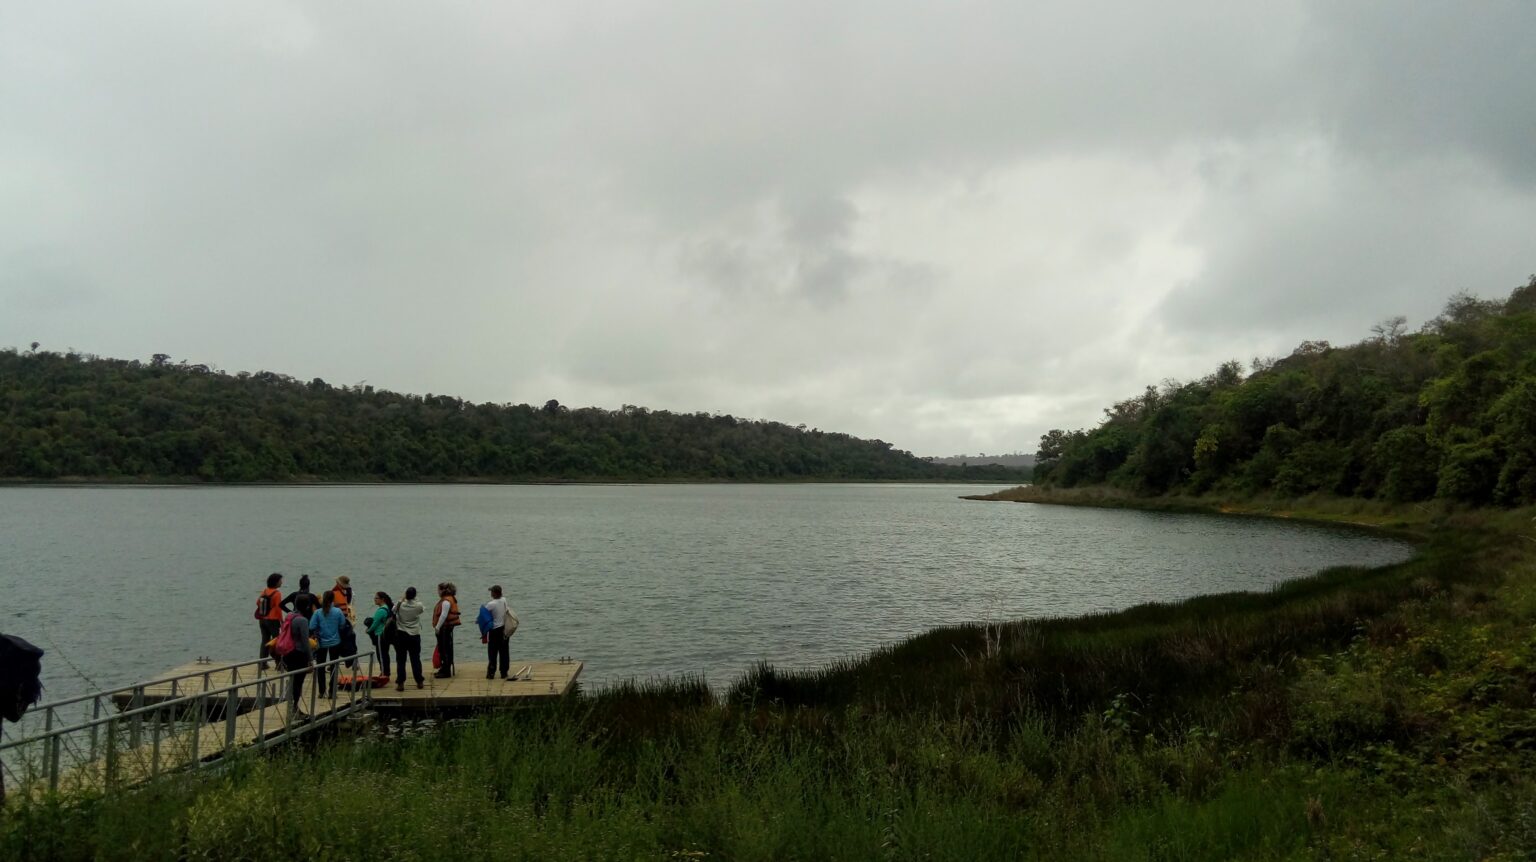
(1357, 714)
(1407, 520)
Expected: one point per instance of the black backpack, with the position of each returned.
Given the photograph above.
(391, 629)
(21, 666)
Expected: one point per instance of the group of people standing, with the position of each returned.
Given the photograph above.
(322, 628)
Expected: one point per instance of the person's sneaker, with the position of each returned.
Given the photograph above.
(400, 686)
(420, 684)
(488, 676)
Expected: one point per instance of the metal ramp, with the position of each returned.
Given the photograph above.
(194, 720)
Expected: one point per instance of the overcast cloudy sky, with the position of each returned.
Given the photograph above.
(951, 226)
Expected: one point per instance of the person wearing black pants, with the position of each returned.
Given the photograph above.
(445, 651)
(300, 658)
(497, 650)
(408, 645)
(269, 630)
(269, 614)
(408, 615)
(445, 618)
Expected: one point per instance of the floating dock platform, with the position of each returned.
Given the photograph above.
(529, 683)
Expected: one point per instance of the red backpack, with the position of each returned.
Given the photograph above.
(283, 643)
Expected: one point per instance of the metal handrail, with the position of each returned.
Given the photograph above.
(185, 731)
(158, 706)
(130, 688)
(171, 702)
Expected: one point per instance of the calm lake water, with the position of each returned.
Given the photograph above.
(120, 584)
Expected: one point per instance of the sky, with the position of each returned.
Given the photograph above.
(951, 226)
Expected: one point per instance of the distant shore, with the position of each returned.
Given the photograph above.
(1408, 521)
(165, 482)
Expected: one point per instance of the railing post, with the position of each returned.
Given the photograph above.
(154, 744)
(261, 713)
(231, 711)
(109, 770)
(134, 729)
(197, 723)
(95, 729)
(53, 752)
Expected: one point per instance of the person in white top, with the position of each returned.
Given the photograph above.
(497, 650)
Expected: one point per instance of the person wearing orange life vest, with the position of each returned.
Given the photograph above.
(341, 596)
(269, 614)
(445, 618)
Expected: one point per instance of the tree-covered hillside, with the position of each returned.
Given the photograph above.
(1448, 411)
(72, 415)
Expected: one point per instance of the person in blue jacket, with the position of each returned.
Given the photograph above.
(326, 626)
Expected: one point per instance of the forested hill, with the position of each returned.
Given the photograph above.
(75, 416)
(1448, 411)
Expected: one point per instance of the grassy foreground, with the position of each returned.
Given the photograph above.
(1357, 714)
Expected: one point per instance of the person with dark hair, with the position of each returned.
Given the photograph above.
(269, 614)
(445, 618)
(292, 602)
(301, 657)
(408, 614)
(384, 608)
(326, 624)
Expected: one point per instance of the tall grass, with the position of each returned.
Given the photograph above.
(1380, 713)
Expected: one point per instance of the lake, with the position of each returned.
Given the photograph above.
(122, 583)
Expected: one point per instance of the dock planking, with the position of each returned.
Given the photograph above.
(536, 682)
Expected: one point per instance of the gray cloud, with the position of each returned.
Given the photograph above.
(948, 226)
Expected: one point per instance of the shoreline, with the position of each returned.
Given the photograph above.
(1411, 522)
(160, 482)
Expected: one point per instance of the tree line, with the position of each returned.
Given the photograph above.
(1448, 411)
(73, 415)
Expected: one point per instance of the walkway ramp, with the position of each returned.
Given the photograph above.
(123, 737)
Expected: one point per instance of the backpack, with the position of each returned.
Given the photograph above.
(390, 630)
(263, 605)
(283, 644)
(21, 667)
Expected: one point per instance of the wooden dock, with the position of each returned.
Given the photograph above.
(536, 682)
(202, 712)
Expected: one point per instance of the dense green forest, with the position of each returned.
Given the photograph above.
(79, 416)
(1448, 411)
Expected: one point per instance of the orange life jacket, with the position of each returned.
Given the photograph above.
(341, 597)
(273, 598)
(453, 611)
